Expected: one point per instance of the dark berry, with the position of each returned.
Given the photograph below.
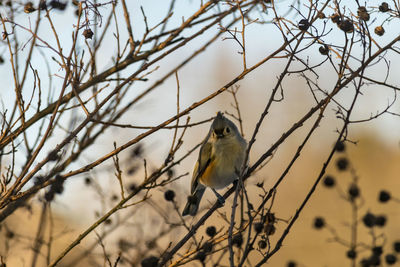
(365, 263)
(396, 246)
(380, 220)
(351, 254)
(57, 188)
(329, 181)
(237, 240)
(369, 219)
(342, 164)
(374, 260)
(384, 196)
(150, 261)
(49, 195)
(201, 256)
(354, 191)
(132, 170)
(137, 151)
(319, 222)
(339, 146)
(124, 244)
(88, 181)
(59, 179)
(384, 7)
(52, 156)
(291, 264)
(262, 244)
(324, 50)
(270, 217)
(132, 187)
(169, 195)
(150, 244)
(304, 24)
(258, 227)
(10, 234)
(58, 5)
(211, 231)
(170, 173)
(390, 259)
(38, 180)
(207, 247)
(377, 250)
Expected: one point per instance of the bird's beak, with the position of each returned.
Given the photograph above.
(219, 133)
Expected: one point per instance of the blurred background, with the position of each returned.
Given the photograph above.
(372, 150)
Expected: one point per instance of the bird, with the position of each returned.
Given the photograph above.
(221, 157)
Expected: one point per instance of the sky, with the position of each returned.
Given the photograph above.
(208, 72)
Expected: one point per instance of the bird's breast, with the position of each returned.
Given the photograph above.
(227, 159)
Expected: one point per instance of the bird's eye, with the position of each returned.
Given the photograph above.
(227, 130)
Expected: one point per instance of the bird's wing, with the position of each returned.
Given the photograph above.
(201, 165)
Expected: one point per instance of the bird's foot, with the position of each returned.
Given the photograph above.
(220, 198)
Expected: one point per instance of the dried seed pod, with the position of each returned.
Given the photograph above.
(363, 13)
(28, 8)
(384, 7)
(321, 15)
(336, 18)
(346, 26)
(379, 30)
(58, 5)
(88, 34)
(269, 229)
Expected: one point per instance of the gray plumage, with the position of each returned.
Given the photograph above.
(220, 158)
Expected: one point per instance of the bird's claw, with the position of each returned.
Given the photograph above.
(220, 198)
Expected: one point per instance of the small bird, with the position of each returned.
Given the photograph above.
(220, 160)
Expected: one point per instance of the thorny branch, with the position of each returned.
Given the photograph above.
(92, 88)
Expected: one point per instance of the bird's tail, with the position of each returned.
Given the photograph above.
(193, 202)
